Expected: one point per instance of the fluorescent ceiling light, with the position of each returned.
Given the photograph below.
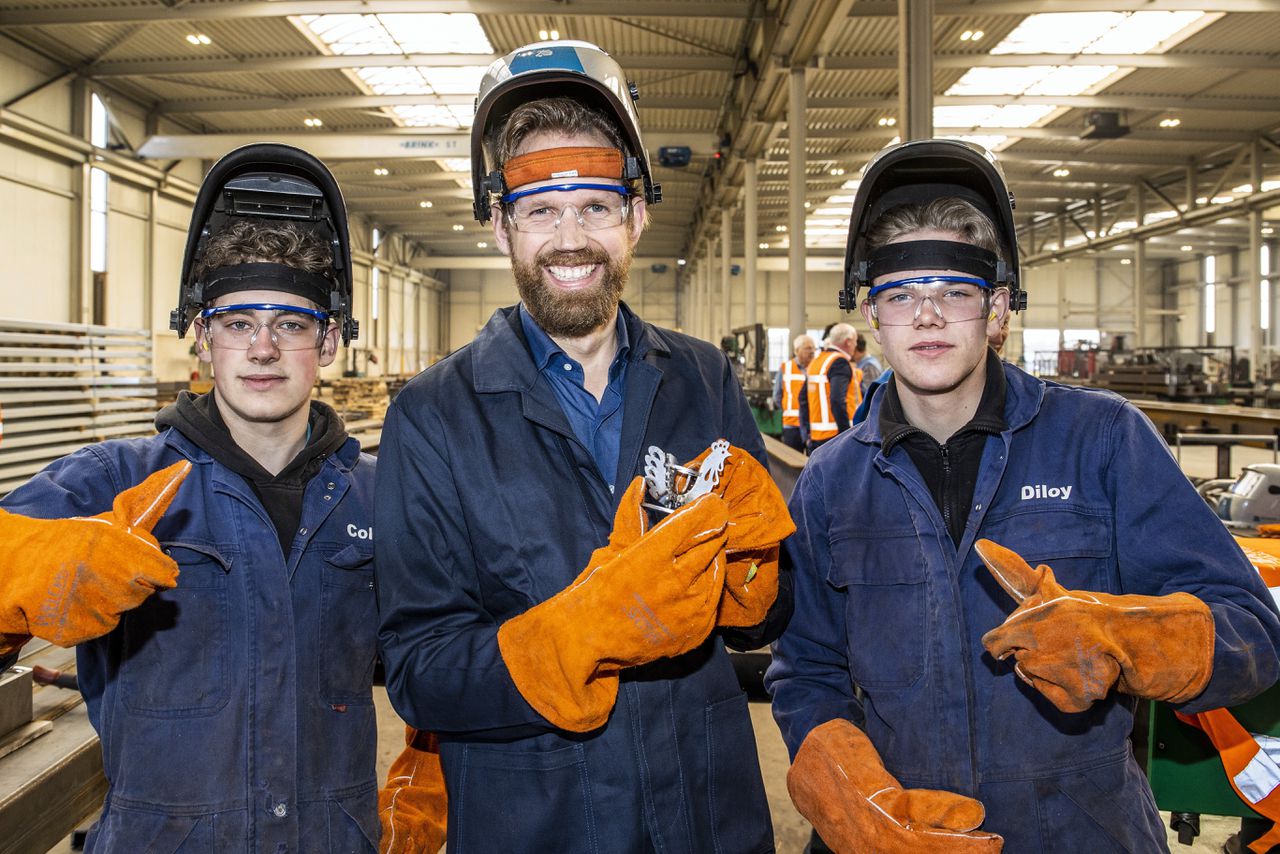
(456, 116)
(420, 80)
(455, 164)
(348, 35)
(1095, 32)
(401, 34)
(1057, 32)
(990, 115)
(991, 142)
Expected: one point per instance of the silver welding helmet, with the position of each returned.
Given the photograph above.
(916, 173)
(573, 69)
(272, 183)
(1254, 498)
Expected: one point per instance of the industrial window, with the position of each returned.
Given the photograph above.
(780, 344)
(99, 188)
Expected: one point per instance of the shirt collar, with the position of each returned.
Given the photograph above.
(989, 417)
(543, 349)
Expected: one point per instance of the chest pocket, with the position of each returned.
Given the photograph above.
(174, 656)
(1075, 542)
(348, 626)
(886, 608)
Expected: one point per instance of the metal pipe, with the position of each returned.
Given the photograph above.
(796, 176)
(749, 237)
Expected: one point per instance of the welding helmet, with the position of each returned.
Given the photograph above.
(573, 69)
(1254, 497)
(916, 173)
(267, 182)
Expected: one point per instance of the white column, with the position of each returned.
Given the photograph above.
(749, 239)
(1254, 268)
(915, 68)
(726, 301)
(795, 200)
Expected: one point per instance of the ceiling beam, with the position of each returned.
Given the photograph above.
(1102, 101)
(198, 11)
(313, 103)
(273, 64)
(1243, 61)
(1021, 8)
(420, 145)
(853, 161)
(1199, 217)
(879, 134)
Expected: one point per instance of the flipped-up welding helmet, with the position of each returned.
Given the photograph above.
(916, 173)
(272, 183)
(572, 69)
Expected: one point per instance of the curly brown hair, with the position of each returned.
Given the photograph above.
(246, 241)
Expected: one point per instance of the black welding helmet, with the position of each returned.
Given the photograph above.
(274, 183)
(572, 69)
(916, 173)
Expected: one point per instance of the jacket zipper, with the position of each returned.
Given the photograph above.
(946, 489)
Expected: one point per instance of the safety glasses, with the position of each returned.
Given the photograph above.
(595, 207)
(953, 299)
(290, 327)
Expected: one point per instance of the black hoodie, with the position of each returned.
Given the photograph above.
(197, 418)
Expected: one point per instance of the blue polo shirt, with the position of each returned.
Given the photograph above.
(598, 426)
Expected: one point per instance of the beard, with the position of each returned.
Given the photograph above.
(572, 314)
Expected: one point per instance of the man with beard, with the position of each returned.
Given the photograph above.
(602, 713)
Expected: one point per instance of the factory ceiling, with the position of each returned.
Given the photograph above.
(1110, 117)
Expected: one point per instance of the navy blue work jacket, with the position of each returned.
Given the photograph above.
(235, 710)
(487, 505)
(1081, 481)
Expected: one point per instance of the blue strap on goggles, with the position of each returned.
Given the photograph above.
(265, 306)
(564, 188)
(931, 280)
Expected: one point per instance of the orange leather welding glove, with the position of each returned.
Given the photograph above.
(1073, 645)
(758, 522)
(653, 598)
(840, 785)
(413, 807)
(69, 580)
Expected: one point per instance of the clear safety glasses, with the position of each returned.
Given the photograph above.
(290, 327)
(601, 206)
(954, 299)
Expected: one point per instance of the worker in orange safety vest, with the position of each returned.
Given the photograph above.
(833, 388)
(788, 389)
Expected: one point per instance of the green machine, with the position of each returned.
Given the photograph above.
(748, 349)
(1186, 774)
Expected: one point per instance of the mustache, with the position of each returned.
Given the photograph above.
(573, 258)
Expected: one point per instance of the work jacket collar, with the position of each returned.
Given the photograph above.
(502, 360)
(1023, 396)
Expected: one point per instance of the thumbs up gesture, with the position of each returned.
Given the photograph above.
(1074, 646)
(69, 580)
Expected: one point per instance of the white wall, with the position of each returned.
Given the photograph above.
(43, 241)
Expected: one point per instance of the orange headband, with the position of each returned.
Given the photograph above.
(562, 163)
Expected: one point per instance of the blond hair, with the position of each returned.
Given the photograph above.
(949, 214)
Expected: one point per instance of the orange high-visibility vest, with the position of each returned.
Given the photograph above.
(792, 382)
(1252, 761)
(822, 420)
